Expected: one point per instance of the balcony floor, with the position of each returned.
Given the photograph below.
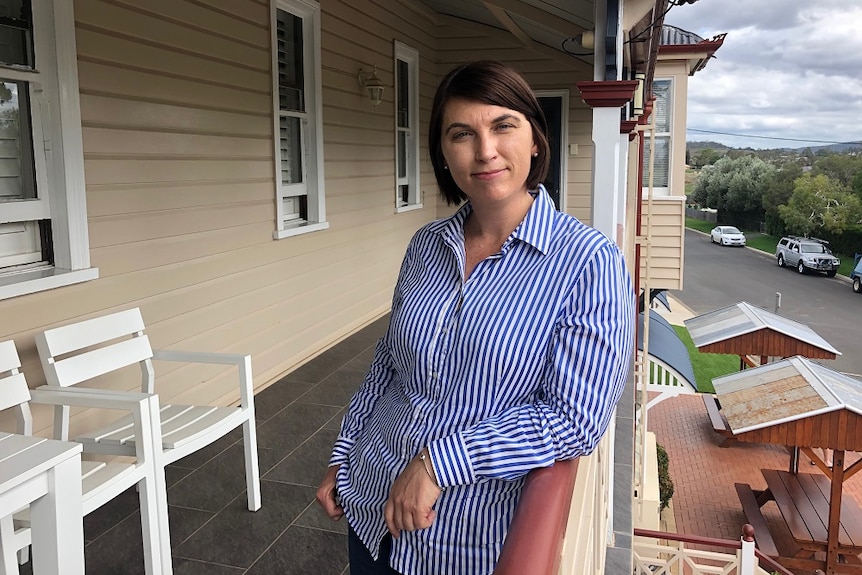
(212, 531)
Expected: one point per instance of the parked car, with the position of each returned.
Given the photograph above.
(856, 274)
(806, 255)
(727, 236)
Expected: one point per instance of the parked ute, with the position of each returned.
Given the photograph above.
(806, 255)
(856, 274)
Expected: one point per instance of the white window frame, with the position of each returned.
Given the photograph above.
(311, 121)
(410, 56)
(668, 136)
(59, 155)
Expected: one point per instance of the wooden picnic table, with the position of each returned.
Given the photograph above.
(803, 500)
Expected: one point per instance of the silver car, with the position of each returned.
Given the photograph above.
(806, 255)
(727, 236)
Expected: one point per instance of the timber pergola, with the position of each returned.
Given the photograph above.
(803, 405)
(746, 330)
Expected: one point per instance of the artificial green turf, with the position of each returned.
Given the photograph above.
(707, 365)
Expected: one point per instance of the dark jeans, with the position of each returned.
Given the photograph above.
(361, 561)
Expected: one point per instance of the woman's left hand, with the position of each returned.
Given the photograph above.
(411, 500)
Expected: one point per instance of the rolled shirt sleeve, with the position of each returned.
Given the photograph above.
(588, 362)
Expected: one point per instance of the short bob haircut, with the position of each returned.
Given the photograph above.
(491, 83)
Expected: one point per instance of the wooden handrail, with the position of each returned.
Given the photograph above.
(534, 542)
(713, 542)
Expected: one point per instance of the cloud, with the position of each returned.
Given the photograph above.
(716, 16)
(786, 69)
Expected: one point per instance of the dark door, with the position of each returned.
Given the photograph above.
(552, 106)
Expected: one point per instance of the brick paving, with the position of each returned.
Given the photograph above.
(705, 501)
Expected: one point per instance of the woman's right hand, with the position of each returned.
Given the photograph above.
(326, 494)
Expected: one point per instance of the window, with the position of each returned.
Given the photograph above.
(298, 128)
(407, 194)
(43, 219)
(662, 89)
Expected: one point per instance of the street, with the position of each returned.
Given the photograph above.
(717, 277)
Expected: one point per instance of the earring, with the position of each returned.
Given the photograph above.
(535, 154)
(445, 167)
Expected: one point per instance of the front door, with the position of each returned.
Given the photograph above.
(555, 107)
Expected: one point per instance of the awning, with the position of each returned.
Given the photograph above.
(670, 369)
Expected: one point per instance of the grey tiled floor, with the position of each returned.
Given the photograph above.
(212, 531)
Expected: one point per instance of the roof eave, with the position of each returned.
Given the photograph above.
(697, 55)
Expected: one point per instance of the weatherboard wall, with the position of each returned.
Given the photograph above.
(179, 167)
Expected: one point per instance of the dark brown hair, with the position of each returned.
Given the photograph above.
(491, 83)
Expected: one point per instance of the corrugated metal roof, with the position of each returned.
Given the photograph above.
(742, 318)
(665, 346)
(782, 391)
(673, 36)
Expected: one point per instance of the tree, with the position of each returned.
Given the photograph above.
(776, 191)
(704, 157)
(820, 203)
(733, 187)
(856, 184)
(840, 167)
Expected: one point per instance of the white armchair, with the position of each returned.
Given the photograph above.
(101, 481)
(76, 353)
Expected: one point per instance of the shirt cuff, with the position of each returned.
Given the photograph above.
(451, 461)
(340, 450)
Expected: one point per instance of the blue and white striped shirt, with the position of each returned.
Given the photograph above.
(517, 367)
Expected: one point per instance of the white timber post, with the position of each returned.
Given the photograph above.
(608, 185)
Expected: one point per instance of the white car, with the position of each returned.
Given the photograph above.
(727, 236)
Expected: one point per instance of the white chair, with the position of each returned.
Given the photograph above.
(75, 353)
(101, 481)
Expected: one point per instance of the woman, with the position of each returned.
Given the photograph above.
(509, 341)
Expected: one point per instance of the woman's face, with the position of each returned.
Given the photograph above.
(488, 149)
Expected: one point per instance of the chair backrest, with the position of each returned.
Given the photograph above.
(78, 352)
(14, 392)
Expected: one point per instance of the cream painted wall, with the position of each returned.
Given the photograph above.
(666, 243)
(176, 112)
(177, 129)
(666, 254)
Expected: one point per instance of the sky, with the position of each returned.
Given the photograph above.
(787, 69)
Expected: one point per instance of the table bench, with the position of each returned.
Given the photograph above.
(750, 505)
(719, 424)
(803, 500)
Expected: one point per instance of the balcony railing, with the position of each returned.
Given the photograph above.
(566, 512)
(660, 553)
(535, 540)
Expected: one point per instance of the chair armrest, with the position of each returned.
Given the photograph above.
(200, 357)
(84, 397)
(144, 408)
(243, 362)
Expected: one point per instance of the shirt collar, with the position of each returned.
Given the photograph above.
(535, 229)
